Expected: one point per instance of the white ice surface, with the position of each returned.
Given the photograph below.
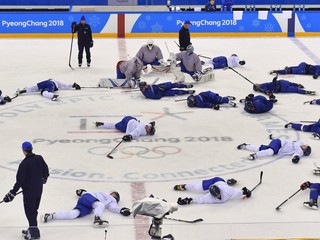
(189, 145)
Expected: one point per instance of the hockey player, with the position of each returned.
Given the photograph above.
(209, 99)
(48, 87)
(190, 63)
(84, 39)
(184, 36)
(222, 62)
(132, 127)
(130, 70)
(303, 69)
(314, 101)
(157, 91)
(4, 99)
(257, 104)
(89, 202)
(32, 173)
(281, 86)
(217, 191)
(296, 149)
(150, 54)
(314, 128)
(314, 194)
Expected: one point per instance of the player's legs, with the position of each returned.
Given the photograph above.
(80, 53)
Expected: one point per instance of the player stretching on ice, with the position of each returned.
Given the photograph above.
(222, 62)
(150, 54)
(281, 86)
(209, 99)
(157, 91)
(314, 128)
(91, 202)
(278, 146)
(132, 127)
(217, 191)
(4, 99)
(48, 87)
(257, 104)
(314, 194)
(130, 70)
(302, 69)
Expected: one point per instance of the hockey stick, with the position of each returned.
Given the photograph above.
(261, 174)
(308, 121)
(71, 50)
(186, 221)
(16, 195)
(109, 154)
(180, 100)
(204, 56)
(177, 44)
(278, 208)
(260, 89)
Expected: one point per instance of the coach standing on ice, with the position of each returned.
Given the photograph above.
(184, 36)
(84, 39)
(32, 174)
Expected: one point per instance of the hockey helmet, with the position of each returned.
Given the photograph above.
(142, 84)
(249, 105)
(242, 62)
(307, 151)
(0, 92)
(234, 55)
(190, 48)
(151, 129)
(215, 191)
(191, 101)
(150, 44)
(116, 195)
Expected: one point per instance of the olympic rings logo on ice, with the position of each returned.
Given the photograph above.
(139, 151)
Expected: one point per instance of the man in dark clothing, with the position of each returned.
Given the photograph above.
(184, 35)
(84, 39)
(32, 174)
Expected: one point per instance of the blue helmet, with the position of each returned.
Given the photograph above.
(307, 151)
(191, 101)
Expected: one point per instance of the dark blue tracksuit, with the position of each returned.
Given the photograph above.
(122, 125)
(47, 85)
(30, 177)
(314, 128)
(157, 91)
(261, 105)
(84, 40)
(220, 62)
(281, 86)
(207, 183)
(208, 99)
(303, 68)
(314, 191)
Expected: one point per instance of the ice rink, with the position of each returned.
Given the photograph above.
(190, 144)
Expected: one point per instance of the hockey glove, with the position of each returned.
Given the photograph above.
(127, 138)
(246, 192)
(76, 86)
(249, 97)
(91, 44)
(79, 192)
(216, 107)
(125, 211)
(7, 99)
(9, 196)
(315, 76)
(305, 185)
(153, 123)
(295, 159)
(73, 27)
(184, 201)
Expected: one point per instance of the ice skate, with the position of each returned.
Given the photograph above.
(242, 146)
(54, 98)
(231, 98)
(19, 92)
(316, 136)
(232, 104)
(273, 72)
(252, 156)
(47, 217)
(98, 222)
(189, 86)
(288, 125)
(180, 187)
(310, 92)
(191, 91)
(312, 205)
(314, 101)
(98, 124)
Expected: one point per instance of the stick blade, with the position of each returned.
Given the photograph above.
(71, 67)
(109, 156)
(261, 175)
(278, 209)
(198, 220)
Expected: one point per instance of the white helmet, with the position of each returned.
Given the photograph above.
(150, 44)
(190, 48)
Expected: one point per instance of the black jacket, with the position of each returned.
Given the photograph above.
(84, 33)
(32, 173)
(184, 37)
